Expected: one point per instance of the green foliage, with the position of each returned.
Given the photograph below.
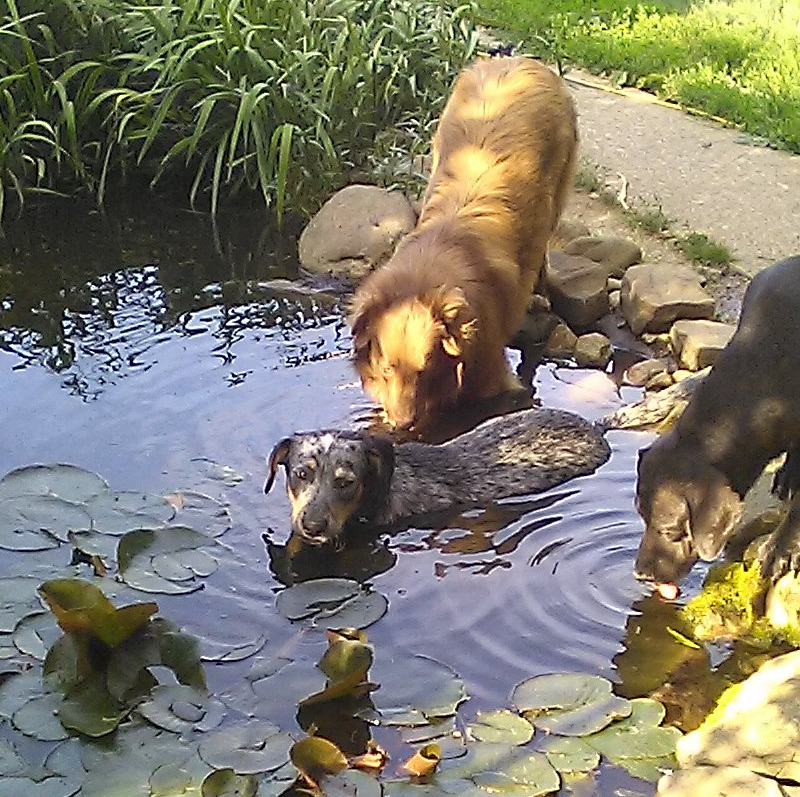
(699, 247)
(276, 96)
(739, 60)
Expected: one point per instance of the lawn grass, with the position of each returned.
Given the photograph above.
(739, 60)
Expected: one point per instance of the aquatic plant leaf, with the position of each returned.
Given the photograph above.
(253, 747)
(180, 652)
(16, 689)
(583, 720)
(89, 708)
(480, 757)
(179, 778)
(570, 753)
(61, 669)
(214, 650)
(181, 709)
(226, 783)
(221, 473)
(638, 736)
(55, 786)
(351, 783)
(416, 683)
(423, 761)
(82, 608)
(528, 775)
(316, 757)
(138, 549)
(39, 522)
(332, 603)
(117, 513)
(37, 718)
(346, 663)
(18, 599)
(64, 481)
(201, 512)
(650, 769)
(416, 734)
(93, 543)
(11, 762)
(501, 726)
(36, 634)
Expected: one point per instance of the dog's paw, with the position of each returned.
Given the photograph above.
(786, 481)
(779, 560)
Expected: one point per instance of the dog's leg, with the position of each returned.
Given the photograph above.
(782, 552)
(787, 479)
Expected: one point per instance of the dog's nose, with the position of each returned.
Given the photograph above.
(315, 529)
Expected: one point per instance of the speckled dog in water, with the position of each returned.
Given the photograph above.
(337, 478)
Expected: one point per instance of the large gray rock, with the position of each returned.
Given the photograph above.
(616, 254)
(577, 287)
(355, 231)
(561, 343)
(566, 231)
(717, 782)
(655, 295)
(756, 724)
(697, 343)
(592, 350)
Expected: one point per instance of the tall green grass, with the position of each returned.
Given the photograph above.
(739, 60)
(284, 97)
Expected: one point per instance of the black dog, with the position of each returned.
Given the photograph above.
(337, 478)
(745, 412)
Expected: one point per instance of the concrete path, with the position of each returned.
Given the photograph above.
(704, 176)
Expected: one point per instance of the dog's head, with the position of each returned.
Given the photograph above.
(688, 506)
(332, 478)
(410, 355)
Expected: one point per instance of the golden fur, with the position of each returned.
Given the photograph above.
(429, 327)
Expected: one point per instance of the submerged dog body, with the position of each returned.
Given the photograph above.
(335, 479)
(692, 481)
(429, 327)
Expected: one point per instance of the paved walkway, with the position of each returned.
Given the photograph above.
(704, 176)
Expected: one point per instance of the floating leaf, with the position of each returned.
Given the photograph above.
(36, 634)
(570, 753)
(181, 709)
(89, 708)
(316, 757)
(201, 512)
(332, 603)
(55, 786)
(221, 473)
(351, 783)
(179, 777)
(18, 599)
(529, 774)
(214, 650)
(117, 513)
(424, 761)
(16, 689)
(570, 704)
(92, 543)
(226, 783)
(81, 607)
(253, 747)
(65, 481)
(39, 522)
(137, 551)
(37, 718)
(346, 663)
(416, 734)
(501, 726)
(11, 762)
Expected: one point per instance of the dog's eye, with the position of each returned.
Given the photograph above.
(302, 474)
(343, 482)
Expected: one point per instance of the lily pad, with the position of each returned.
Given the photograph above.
(201, 512)
(253, 747)
(93, 543)
(351, 783)
(117, 513)
(501, 726)
(530, 775)
(16, 689)
(179, 777)
(181, 709)
(11, 762)
(89, 708)
(316, 757)
(226, 783)
(37, 718)
(332, 603)
(221, 652)
(346, 664)
(569, 704)
(65, 481)
(55, 786)
(39, 522)
(570, 753)
(137, 551)
(35, 634)
(18, 599)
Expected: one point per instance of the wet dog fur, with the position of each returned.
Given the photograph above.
(335, 479)
(692, 480)
(430, 326)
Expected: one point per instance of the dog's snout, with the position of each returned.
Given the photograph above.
(314, 528)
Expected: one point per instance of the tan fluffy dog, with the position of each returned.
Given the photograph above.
(429, 327)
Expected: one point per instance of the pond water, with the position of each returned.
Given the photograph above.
(154, 348)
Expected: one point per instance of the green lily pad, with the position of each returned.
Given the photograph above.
(39, 522)
(55, 786)
(11, 762)
(253, 747)
(419, 734)
(638, 736)
(18, 599)
(650, 769)
(569, 704)
(89, 709)
(181, 709)
(201, 512)
(65, 481)
(137, 551)
(37, 718)
(346, 664)
(480, 757)
(226, 783)
(570, 753)
(316, 757)
(16, 689)
(218, 472)
(36, 634)
(533, 774)
(332, 603)
(220, 652)
(501, 726)
(185, 565)
(351, 783)
(179, 777)
(416, 684)
(117, 513)
(82, 608)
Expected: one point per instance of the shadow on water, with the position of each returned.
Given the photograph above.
(165, 353)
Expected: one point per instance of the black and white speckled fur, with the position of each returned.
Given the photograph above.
(336, 478)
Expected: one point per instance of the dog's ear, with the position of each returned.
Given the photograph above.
(715, 510)
(279, 456)
(379, 450)
(450, 308)
(360, 318)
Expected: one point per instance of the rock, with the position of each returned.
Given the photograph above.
(538, 324)
(355, 231)
(613, 284)
(679, 374)
(561, 342)
(755, 726)
(577, 288)
(592, 350)
(659, 381)
(783, 603)
(697, 343)
(716, 782)
(614, 300)
(616, 254)
(566, 231)
(653, 296)
(639, 373)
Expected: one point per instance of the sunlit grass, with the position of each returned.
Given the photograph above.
(281, 97)
(739, 60)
